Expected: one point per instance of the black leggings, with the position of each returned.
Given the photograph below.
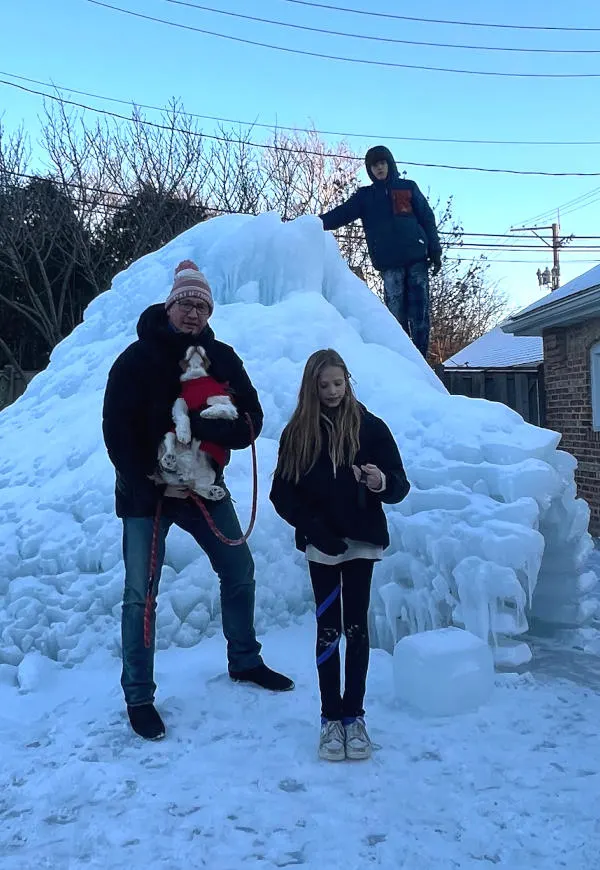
(348, 587)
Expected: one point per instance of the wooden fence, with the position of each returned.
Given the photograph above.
(522, 388)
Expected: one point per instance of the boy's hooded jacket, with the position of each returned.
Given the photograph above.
(398, 221)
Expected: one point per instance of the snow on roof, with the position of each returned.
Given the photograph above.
(498, 349)
(589, 279)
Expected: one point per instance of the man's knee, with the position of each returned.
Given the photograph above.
(238, 568)
(137, 543)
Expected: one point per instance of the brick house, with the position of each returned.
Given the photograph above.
(568, 321)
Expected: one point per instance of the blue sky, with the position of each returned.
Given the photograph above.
(84, 46)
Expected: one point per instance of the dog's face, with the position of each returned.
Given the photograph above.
(196, 362)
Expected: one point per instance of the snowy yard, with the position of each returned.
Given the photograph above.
(491, 535)
(237, 782)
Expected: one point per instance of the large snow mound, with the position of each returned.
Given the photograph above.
(491, 534)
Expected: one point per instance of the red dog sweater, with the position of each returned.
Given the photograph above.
(196, 393)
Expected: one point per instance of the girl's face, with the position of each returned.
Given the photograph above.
(331, 386)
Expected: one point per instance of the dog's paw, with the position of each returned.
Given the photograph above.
(213, 493)
(183, 431)
(213, 412)
(219, 412)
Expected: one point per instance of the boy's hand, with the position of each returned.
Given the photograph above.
(436, 263)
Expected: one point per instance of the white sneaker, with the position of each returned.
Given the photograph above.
(358, 742)
(331, 742)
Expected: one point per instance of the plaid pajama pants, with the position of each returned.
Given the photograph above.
(406, 295)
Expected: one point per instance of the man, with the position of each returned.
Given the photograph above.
(401, 237)
(142, 387)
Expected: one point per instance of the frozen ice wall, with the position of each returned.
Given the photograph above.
(490, 534)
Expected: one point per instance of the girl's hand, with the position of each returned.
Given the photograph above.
(372, 475)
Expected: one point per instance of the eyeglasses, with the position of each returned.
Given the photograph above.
(199, 308)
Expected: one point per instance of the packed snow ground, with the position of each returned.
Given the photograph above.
(237, 783)
(492, 517)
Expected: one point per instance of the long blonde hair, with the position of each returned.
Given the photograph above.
(302, 438)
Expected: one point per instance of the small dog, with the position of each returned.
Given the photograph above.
(181, 458)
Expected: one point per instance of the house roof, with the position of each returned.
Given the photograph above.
(589, 279)
(498, 349)
(577, 300)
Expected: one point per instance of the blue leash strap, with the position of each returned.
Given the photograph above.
(329, 600)
(330, 650)
(327, 653)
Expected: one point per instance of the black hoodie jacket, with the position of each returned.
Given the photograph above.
(328, 504)
(143, 384)
(398, 221)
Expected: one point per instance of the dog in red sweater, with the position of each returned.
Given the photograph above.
(181, 458)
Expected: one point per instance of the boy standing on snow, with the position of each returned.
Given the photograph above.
(142, 386)
(401, 237)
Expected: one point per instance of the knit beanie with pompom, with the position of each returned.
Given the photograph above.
(189, 283)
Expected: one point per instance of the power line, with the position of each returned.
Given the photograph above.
(354, 234)
(388, 39)
(528, 262)
(358, 60)
(389, 15)
(98, 190)
(568, 207)
(588, 249)
(269, 147)
(342, 135)
(350, 233)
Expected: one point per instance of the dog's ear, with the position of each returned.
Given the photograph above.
(189, 352)
(204, 357)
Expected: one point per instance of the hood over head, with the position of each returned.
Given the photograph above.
(380, 152)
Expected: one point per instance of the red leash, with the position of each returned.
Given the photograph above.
(151, 577)
(205, 513)
(212, 526)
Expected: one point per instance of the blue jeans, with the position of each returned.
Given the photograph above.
(406, 294)
(233, 565)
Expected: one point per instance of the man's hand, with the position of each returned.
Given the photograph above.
(181, 491)
(435, 262)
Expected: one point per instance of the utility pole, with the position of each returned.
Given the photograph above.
(556, 267)
(548, 277)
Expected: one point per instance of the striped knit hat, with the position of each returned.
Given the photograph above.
(189, 283)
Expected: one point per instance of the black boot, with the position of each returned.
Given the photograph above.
(264, 677)
(146, 722)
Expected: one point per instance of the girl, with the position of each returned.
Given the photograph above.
(337, 464)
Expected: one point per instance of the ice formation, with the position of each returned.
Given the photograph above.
(443, 672)
(491, 535)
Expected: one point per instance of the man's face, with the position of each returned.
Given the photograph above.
(380, 170)
(189, 315)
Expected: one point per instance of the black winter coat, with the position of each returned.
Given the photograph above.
(398, 221)
(325, 505)
(143, 384)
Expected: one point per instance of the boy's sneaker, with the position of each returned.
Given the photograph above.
(146, 722)
(331, 741)
(358, 743)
